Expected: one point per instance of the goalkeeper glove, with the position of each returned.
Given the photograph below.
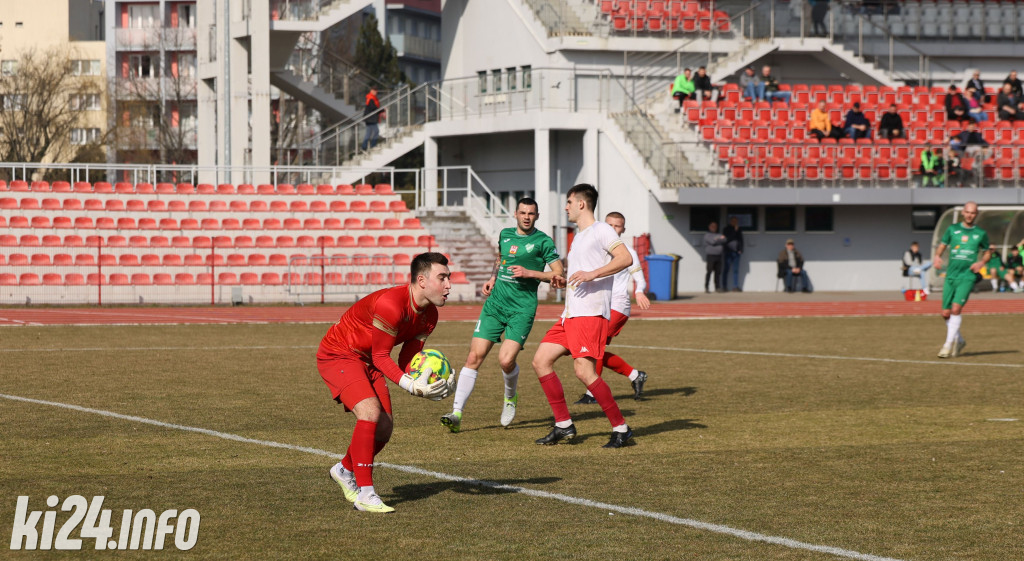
(420, 388)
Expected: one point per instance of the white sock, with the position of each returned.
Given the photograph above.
(952, 329)
(620, 428)
(366, 492)
(511, 382)
(463, 387)
(633, 375)
(564, 424)
(995, 284)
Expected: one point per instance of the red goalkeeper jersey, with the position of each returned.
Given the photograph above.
(371, 328)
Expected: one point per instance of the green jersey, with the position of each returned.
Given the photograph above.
(532, 251)
(965, 247)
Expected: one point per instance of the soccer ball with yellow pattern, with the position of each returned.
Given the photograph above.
(440, 368)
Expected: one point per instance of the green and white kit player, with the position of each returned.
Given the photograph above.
(969, 251)
(523, 253)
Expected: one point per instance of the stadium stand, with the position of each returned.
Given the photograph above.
(664, 16)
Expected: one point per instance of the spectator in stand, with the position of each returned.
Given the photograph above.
(682, 88)
(820, 124)
(975, 110)
(970, 141)
(1015, 264)
(733, 251)
(891, 124)
(1007, 102)
(932, 167)
(702, 85)
(771, 87)
(997, 272)
(956, 105)
(914, 266)
(856, 124)
(1015, 84)
(751, 84)
(819, 10)
(791, 265)
(952, 168)
(979, 86)
(714, 243)
(371, 117)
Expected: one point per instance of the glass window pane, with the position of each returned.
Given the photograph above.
(818, 219)
(701, 216)
(780, 219)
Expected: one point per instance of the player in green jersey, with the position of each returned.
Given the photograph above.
(968, 252)
(523, 253)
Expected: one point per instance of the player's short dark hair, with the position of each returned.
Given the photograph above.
(528, 201)
(422, 263)
(587, 192)
(615, 214)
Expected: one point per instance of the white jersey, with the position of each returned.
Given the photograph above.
(624, 282)
(591, 249)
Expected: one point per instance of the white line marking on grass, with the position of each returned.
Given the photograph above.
(119, 349)
(696, 524)
(822, 357)
(1002, 420)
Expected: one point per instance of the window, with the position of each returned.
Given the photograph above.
(482, 79)
(13, 102)
(19, 24)
(780, 219)
(701, 216)
(186, 15)
(527, 78)
(141, 66)
(85, 102)
(747, 216)
(510, 76)
(84, 136)
(85, 68)
(496, 74)
(924, 218)
(186, 64)
(9, 67)
(818, 219)
(141, 16)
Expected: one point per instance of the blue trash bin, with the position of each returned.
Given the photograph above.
(662, 272)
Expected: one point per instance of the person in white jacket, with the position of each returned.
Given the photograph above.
(624, 281)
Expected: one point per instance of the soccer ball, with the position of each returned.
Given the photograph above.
(440, 368)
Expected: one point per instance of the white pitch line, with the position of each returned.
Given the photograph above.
(696, 524)
(821, 357)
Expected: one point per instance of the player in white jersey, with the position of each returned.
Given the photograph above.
(596, 255)
(624, 281)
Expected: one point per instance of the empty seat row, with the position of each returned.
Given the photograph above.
(195, 259)
(126, 223)
(205, 279)
(203, 188)
(136, 205)
(74, 240)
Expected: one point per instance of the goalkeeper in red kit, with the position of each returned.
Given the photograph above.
(354, 360)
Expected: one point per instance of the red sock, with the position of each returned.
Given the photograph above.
(603, 394)
(556, 396)
(361, 451)
(616, 363)
(346, 462)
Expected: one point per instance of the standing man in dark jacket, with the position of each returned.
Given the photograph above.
(733, 250)
(371, 116)
(713, 243)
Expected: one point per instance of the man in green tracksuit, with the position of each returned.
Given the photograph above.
(932, 168)
(968, 252)
(682, 88)
(523, 253)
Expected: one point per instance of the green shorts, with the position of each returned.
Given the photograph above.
(493, 322)
(956, 291)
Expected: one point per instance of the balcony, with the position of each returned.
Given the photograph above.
(408, 45)
(156, 38)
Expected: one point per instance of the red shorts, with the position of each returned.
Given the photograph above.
(582, 336)
(351, 381)
(615, 324)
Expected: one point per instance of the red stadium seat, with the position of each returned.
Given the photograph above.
(246, 189)
(163, 279)
(74, 279)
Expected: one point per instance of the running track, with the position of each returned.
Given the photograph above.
(330, 314)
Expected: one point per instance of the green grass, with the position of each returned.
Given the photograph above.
(892, 459)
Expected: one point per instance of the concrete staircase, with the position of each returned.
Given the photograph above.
(472, 252)
(560, 17)
(396, 144)
(651, 139)
(318, 98)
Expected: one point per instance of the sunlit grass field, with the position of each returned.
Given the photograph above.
(838, 432)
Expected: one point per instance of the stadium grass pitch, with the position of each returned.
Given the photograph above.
(840, 432)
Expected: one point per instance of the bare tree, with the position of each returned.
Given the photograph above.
(40, 108)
